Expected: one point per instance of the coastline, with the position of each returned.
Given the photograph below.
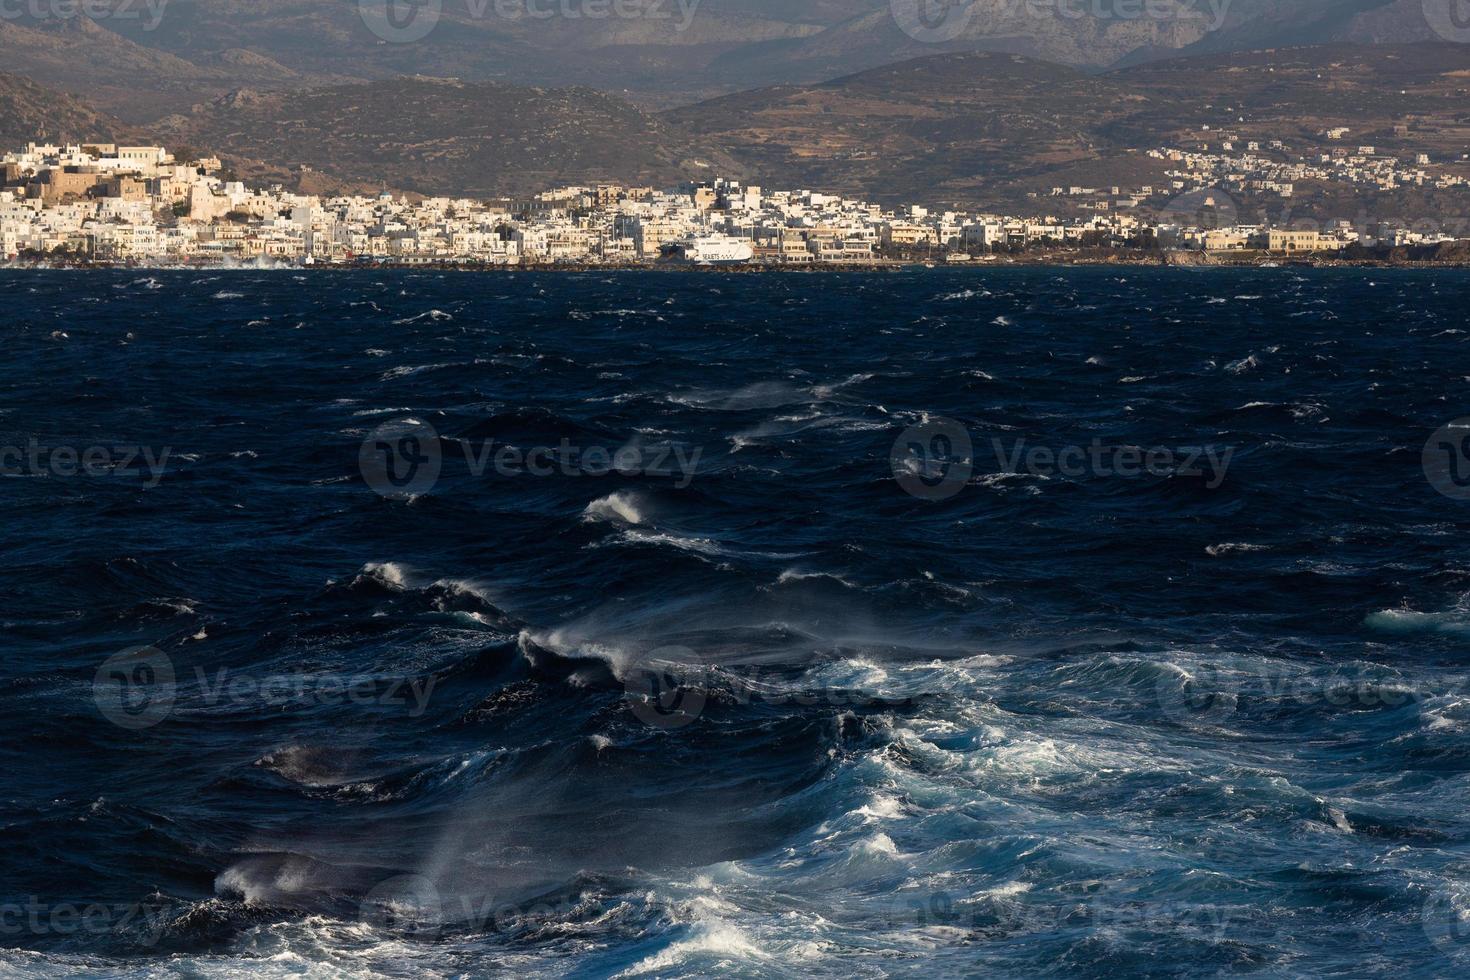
(1057, 258)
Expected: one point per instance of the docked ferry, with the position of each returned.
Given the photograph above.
(709, 250)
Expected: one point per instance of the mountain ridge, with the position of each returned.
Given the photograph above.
(674, 52)
(971, 130)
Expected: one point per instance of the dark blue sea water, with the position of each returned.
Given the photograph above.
(334, 647)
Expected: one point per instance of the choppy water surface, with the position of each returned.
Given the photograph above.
(316, 664)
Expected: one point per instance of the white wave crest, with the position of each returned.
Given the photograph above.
(621, 506)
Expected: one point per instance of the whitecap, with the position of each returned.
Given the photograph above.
(703, 546)
(427, 315)
(710, 939)
(1232, 547)
(793, 575)
(1410, 621)
(407, 370)
(388, 572)
(621, 506)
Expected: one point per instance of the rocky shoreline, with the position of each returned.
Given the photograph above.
(1456, 256)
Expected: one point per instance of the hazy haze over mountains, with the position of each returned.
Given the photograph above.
(146, 58)
(973, 129)
(987, 103)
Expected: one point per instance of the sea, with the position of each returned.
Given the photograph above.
(992, 622)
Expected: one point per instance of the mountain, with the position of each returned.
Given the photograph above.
(130, 80)
(1297, 93)
(945, 126)
(885, 32)
(31, 112)
(996, 130)
(165, 57)
(483, 139)
(141, 59)
(1283, 23)
(970, 129)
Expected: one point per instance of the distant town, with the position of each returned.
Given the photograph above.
(102, 204)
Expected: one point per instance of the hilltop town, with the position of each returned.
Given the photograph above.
(112, 204)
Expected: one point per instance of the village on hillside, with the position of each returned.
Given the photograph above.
(111, 204)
